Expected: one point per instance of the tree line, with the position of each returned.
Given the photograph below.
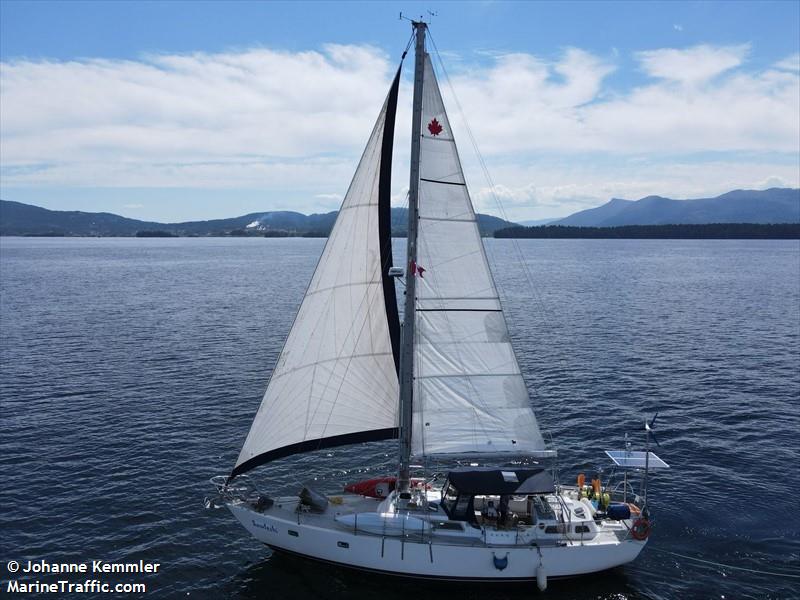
(709, 231)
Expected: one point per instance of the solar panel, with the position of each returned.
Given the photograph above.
(635, 460)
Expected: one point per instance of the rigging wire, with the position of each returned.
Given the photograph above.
(549, 320)
(724, 566)
(484, 406)
(408, 45)
(479, 404)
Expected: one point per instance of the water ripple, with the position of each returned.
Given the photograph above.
(131, 369)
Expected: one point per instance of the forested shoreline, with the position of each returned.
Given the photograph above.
(710, 231)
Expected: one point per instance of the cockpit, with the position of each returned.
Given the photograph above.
(499, 497)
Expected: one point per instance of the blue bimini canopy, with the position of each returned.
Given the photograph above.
(500, 482)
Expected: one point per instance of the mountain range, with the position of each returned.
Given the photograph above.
(536, 222)
(775, 205)
(17, 218)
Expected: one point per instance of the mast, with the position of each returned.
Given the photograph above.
(407, 350)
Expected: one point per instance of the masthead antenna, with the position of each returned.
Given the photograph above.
(421, 17)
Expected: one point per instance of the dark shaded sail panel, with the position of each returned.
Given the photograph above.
(385, 219)
(360, 437)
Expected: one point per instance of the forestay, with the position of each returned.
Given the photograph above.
(469, 395)
(335, 381)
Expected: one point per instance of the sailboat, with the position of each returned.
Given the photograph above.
(446, 384)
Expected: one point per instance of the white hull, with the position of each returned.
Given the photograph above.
(313, 536)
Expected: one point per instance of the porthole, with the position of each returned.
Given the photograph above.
(581, 529)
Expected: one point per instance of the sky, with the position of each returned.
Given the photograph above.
(175, 111)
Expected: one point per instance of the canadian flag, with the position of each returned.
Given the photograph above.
(417, 269)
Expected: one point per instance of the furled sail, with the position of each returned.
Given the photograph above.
(469, 395)
(335, 381)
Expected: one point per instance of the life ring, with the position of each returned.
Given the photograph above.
(640, 529)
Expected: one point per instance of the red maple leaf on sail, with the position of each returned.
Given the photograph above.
(434, 127)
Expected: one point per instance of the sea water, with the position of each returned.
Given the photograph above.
(130, 370)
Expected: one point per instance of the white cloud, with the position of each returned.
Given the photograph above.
(692, 65)
(186, 108)
(774, 181)
(744, 112)
(520, 104)
(677, 27)
(563, 188)
(275, 121)
(790, 63)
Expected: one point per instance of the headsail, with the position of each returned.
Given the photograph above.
(469, 395)
(335, 381)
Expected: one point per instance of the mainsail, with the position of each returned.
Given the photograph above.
(335, 381)
(469, 396)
